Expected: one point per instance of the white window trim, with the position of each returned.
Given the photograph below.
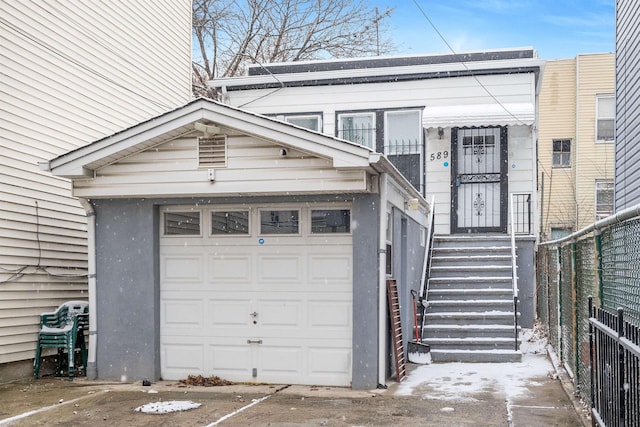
(386, 131)
(230, 209)
(305, 116)
(178, 209)
(598, 98)
(597, 215)
(371, 114)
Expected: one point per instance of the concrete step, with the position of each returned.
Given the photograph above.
(487, 282)
(467, 318)
(472, 343)
(475, 356)
(471, 260)
(471, 250)
(468, 331)
(472, 241)
(441, 293)
(467, 271)
(470, 306)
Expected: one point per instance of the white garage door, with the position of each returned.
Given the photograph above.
(260, 294)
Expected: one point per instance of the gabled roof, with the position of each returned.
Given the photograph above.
(82, 162)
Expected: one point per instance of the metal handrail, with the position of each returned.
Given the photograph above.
(616, 218)
(514, 272)
(426, 266)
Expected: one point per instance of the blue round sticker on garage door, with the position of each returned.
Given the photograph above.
(261, 241)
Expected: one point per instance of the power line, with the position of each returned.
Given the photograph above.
(465, 65)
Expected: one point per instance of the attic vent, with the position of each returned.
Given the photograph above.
(212, 151)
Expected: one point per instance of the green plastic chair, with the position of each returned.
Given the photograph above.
(64, 329)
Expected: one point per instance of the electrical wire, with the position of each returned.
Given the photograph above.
(465, 65)
(20, 272)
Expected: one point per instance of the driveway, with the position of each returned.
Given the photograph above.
(432, 395)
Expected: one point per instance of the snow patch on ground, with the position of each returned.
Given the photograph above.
(167, 407)
(465, 381)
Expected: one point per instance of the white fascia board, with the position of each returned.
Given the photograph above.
(230, 82)
(74, 164)
(80, 163)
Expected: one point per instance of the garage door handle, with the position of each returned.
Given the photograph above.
(254, 341)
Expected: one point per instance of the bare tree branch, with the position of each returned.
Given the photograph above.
(228, 35)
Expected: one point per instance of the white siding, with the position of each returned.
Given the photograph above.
(253, 166)
(508, 89)
(72, 72)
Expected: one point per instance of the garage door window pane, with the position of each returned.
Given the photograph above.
(230, 222)
(279, 222)
(182, 223)
(331, 221)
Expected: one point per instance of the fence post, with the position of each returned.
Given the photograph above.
(621, 375)
(592, 366)
(559, 308)
(598, 239)
(574, 302)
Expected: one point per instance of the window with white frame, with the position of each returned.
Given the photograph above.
(605, 115)
(561, 153)
(307, 121)
(182, 223)
(358, 127)
(402, 132)
(604, 198)
(311, 121)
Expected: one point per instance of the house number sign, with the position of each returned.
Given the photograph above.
(438, 155)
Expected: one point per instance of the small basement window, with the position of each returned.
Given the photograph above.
(182, 223)
(212, 151)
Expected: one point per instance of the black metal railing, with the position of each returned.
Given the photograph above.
(615, 368)
(522, 213)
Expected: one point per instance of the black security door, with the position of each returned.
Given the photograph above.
(479, 180)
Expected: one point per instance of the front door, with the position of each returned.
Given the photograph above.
(479, 175)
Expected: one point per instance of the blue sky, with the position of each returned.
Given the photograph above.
(556, 29)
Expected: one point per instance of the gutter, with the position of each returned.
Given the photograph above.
(382, 285)
(92, 372)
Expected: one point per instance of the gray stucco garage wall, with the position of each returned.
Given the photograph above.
(366, 210)
(127, 289)
(128, 284)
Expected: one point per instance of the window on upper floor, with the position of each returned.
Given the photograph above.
(311, 121)
(358, 127)
(604, 198)
(605, 118)
(561, 153)
(403, 133)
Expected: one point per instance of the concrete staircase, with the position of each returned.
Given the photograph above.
(469, 315)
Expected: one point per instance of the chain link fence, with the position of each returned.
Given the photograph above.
(602, 261)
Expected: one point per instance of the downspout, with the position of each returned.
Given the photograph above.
(382, 284)
(92, 372)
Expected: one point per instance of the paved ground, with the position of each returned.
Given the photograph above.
(56, 401)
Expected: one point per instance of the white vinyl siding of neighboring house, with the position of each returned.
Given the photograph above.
(72, 73)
